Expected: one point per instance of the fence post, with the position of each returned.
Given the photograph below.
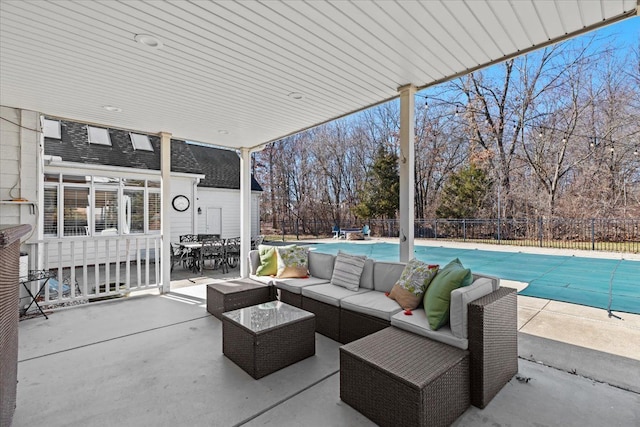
(593, 234)
(297, 229)
(435, 228)
(283, 230)
(498, 230)
(464, 230)
(540, 230)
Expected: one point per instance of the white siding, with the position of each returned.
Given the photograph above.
(229, 202)
(19, 166)
(182, 222)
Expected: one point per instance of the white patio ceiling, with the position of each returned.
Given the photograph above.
(226, 69)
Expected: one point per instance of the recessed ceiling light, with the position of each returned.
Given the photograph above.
(295, 95)
(223, 132)
(148, 40)
(112, 108)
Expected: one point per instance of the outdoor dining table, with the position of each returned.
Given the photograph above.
(193, 248)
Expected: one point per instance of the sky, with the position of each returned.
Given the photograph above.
(626, 35)
(628, 30)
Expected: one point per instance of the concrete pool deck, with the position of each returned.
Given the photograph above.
(157, 360)
(150, 360)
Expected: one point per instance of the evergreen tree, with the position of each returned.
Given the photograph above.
(381, 195)
(464, 194)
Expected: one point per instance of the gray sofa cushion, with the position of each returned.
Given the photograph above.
(294, 285)
(262, 279)
(366, 278)
(461, 297)
(419, 324)
(329, 294)
(374, 303)
(321, 265)
(386, 274)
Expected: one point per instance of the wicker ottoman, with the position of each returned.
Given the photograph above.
(264, 338)
(398, 378)
(238, 293)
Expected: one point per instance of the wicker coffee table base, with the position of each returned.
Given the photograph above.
(260, 354)
(397, 378)
(238, 293)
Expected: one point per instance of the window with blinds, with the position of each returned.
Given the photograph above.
(154, 211)
(99, 205)
(133, 211)
(75, 209)
(50, 213)
(105, 212)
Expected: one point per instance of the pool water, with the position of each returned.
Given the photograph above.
(602, 283)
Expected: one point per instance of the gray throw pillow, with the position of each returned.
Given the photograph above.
(347, 271)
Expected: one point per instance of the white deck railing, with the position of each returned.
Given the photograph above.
(87, 268)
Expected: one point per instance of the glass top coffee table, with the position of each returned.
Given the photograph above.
(264, 338)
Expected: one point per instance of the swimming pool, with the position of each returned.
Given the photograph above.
(603, 283)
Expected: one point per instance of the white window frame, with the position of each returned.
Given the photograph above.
(99, 136)
(60, 186)
(140, 141)
(51, 129)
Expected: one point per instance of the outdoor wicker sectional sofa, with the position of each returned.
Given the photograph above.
(483, 316)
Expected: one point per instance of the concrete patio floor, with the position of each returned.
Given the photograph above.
(156, 360)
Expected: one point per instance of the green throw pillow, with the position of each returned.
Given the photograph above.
(437, 298)
(268, 261)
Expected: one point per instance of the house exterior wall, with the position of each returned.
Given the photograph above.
(228, 201)
(22, 169)
(183, 222)
(20, 146)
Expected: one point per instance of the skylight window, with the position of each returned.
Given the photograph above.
(98, 136)
(51, 129)
(140, 142)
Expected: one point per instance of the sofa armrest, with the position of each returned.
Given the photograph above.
(493, 343)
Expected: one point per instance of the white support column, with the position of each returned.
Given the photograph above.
(245, 210)
(407, 170)
(165, 172)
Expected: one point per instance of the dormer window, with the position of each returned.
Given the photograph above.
(140, 142)
(98, 136)
(51, 129)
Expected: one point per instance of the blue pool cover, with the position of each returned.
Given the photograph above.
(602, 283)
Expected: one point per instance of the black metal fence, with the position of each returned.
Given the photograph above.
(599, 234)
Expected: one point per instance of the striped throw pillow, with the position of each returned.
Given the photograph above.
(347, 271)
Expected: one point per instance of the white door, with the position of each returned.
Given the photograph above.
(214, 221)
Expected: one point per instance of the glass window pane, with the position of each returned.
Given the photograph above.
(76, 179)
(102, 180)
(133, 182)
(51, 177)
(105, 212)
(153, 184)
(140, 142)
(51, 211)
(98, 136)
(154, 211)
(133, 208)
(51, 128)
(76, 203)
